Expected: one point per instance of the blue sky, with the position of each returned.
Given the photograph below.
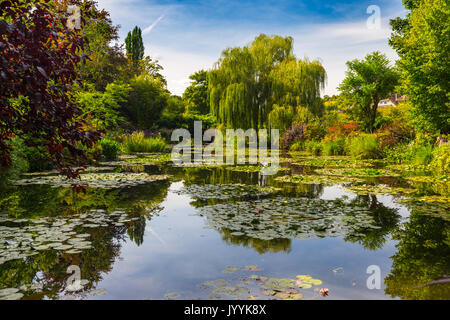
(186, 36)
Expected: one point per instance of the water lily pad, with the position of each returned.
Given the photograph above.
(171, 296)
(231, 270)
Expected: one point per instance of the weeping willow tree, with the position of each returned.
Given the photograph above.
(249, 83)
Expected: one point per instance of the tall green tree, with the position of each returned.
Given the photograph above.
(247, 82)
(196, 95)
(147, 99)
(367, 82)
(422, 40)
(134, 44)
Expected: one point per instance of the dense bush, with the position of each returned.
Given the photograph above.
(297, 146)
(37, 155)
(441, 159)
(394, 134)
(364, 146)
(314, 147)
(19, 162)
(294, 134)
(138, 142)
(333, 147)
(110, 149)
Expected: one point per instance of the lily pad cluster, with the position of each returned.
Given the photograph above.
(287, 218)
(226, 191)
(21, 238)
(380, 190)
(256, 287)
(317, 179)
(358, 172)
(96, 180)
(338, 162)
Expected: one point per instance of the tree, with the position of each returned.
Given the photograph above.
(38, 61)
(247, 82)
(422, 40)
(104, 63)
(135, 45)
(367, 82)
(102, 109)
(147, 99)
(196, 95)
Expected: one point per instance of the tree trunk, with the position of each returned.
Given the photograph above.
(373, 115)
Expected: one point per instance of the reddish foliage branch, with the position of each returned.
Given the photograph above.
(38, 61)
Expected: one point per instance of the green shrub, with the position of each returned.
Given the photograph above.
(138, 142)
(37, 156)
(333, 148)
(417, 152)
(110, 149)
(297, 146)
(19, 162)
(314, 147)
(364, 146)
(423, 155)
(441, 159)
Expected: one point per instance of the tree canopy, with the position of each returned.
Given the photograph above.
(367, 82)
(422, 40)
(135, 45)
(38, 67)
(247, 82)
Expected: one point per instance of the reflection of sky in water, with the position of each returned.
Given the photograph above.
(178, 254)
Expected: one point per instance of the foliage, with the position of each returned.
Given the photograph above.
(314, 147)
(175, 106)
(292, 135)
(38, 67)
(147, 99)
(110, 149)
(138, 142)
(367, 82)
(196, 95)
(297, 146)
(134, 44)
(102, 109)
(364, 146)
(280, 118)
(19, 162)
(422, 41)
(441, 158)
(246, 82)
(333, 147)
(395, 133)
(104, 63)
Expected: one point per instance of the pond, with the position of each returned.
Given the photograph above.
(147, 229)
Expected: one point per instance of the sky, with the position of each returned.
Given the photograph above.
(187, 36)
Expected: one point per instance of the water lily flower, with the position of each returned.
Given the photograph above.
(324, 292)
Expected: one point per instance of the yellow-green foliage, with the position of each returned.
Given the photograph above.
(138, 142)
(364, 146)
(441, 158)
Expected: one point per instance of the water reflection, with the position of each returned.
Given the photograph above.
(299, 228)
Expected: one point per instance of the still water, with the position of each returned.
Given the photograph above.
(183, 238)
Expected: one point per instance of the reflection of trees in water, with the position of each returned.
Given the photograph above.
(260, 246)
(423, 255)
(386, 218)
(50, 267)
